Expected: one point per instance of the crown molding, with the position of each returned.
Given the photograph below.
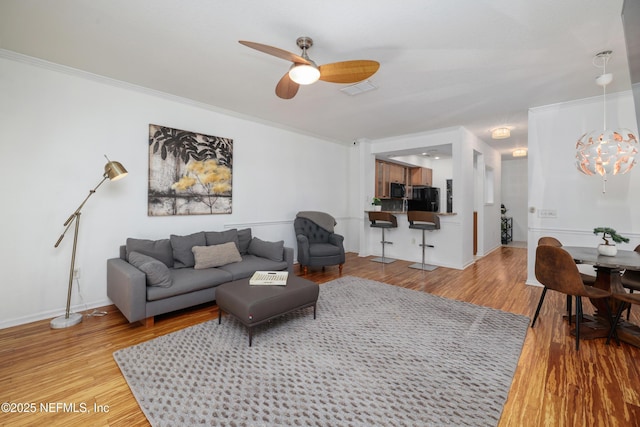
(75, 72)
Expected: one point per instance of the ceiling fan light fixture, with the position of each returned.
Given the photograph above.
(500, 133)
(304, 74)
(304, 71)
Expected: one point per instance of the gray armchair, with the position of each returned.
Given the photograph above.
(318, 245)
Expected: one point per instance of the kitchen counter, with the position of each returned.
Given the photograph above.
(404, 212)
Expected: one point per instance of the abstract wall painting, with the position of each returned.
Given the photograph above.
(189, 173)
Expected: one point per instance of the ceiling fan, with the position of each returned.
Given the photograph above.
(304, 71)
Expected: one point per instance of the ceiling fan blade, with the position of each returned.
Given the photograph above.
(270, 50)
(348, 71)
(286, 88)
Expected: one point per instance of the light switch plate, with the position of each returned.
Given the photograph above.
(547, 213)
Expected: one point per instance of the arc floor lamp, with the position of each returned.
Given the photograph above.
(112, 171)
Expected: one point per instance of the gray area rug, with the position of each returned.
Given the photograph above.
(377, 355)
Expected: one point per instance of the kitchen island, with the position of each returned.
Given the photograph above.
(406, 241)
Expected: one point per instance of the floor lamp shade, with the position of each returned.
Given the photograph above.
(113, 171)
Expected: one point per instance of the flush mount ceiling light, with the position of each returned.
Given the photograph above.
(432, 154)
(520, 152)
(608, 151)
(500, 133)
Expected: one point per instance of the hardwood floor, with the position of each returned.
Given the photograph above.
(553, 384)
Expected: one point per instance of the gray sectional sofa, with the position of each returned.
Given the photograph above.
(153, 277)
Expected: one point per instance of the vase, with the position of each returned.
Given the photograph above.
(607, 250)
(377, 208)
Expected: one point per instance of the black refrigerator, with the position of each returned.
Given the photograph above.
(425, 199)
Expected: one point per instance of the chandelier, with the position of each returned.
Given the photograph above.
(608, 151)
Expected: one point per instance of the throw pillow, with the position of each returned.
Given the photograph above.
(220, 237)
(269, 250)
(157, 272)
(158, 249)
(215, 255)
(181, 245)
(244, 240)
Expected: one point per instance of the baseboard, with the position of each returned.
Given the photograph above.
(50, 314)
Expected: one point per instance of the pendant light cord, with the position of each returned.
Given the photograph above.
(603, 80)
(604, 94)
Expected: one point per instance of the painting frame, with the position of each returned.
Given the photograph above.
(190, 173)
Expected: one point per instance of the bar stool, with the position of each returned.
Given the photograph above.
(421, 220)
(383, 220)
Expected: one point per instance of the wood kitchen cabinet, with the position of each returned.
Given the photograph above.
(421, 176)
(397, 173)
(387, 173)
(382, 179)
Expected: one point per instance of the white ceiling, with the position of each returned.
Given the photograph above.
(474, 63)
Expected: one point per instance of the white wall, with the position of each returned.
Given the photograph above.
(556, 184)
(55, 126)
(514, 195)
(488, 213)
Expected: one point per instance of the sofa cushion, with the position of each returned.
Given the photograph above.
(220, 237)
(215, 255)
(181, 245)
(187, 280)
(244, 240)
(250, 264)
(269, 250)
(158, 249)
(157, 272)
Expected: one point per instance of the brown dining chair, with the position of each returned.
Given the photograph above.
(556, 270)
(549, 241)
(631, 280)
(624, 299)
(586, 278)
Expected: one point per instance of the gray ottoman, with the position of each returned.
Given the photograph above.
(253, 305)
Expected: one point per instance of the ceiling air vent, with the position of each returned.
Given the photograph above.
(358, 88)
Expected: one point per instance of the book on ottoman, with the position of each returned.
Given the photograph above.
(278, 278)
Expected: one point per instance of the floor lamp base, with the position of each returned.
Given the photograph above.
(64, 322)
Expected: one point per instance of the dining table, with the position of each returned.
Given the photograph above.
(608, 272)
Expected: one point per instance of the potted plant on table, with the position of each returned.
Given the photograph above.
(607, 248)
(377, 204)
